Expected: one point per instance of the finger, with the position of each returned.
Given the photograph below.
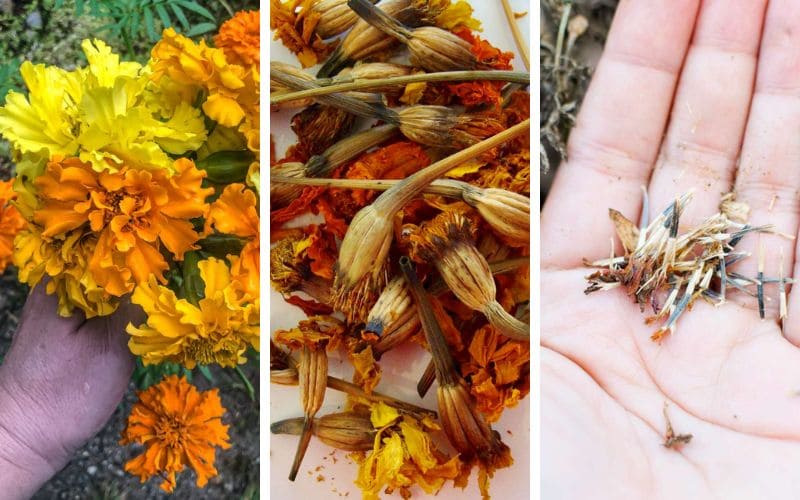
(709, 114)
(768, 178)
(40, 317)
(616, 138)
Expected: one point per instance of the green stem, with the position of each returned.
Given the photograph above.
(363, 84)
(250, 390)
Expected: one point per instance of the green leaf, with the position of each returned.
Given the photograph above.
(201, 29)
(79, 7)
(197, 9)
(150, 25)
(58, 4)
(180, 15)
(163, 15)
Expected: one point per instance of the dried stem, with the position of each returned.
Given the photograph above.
(365, 84)
(518, 39)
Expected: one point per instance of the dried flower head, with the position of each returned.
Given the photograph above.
(364, 40)
(349, 431)
(313, 380)
(335, 17)
(362, 269)
(281, 194)
(465, 427)
(448, 242)
(507, 212)
(179, 426)
(431, 48)
(444, 127)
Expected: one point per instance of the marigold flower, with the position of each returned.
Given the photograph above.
(239, 38)
(232, 89)
(179, 426)
(11, 223)
(236, 212)
(66, 261)
(106, 113)
(216, 330)
(133, 212)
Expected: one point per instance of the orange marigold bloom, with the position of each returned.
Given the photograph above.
(179, 426)
(239, 38)
(11, 223)
(236, 212)
(133, 212)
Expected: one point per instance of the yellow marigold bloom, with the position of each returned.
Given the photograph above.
(66, 261)
(11, 223)
(108, 113)
(403, 455)
(236, 212)
(179, 426)
(216, 330)
(240, 39)
(232, 89)
(133, 213)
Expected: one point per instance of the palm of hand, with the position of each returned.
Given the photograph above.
(727, 377)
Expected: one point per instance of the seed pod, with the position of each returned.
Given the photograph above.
(277, 85)
(313, 380)
(393, 302)
(347, 431)
(348, 149)
(335, 17)
(361, 270)
(431, 48)
(364, 40)
(507, 212)
(465, 427)
(447, 241)
(374, 71)
(443, 127)
(280, 194)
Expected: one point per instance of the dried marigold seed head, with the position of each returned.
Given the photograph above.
(393, 302)
(429, 125)
(276, 85)
(335, 17)
(348, 431)
(362, 265)
(466, 429)
(313, 378)
(281, 194)
(365, 40)
(435, 49)
(373, 71)
(286, 376)
(507, 212)
(347, 149)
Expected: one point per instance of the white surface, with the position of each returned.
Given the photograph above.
(402, 367)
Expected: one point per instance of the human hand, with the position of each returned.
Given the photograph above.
(688, 95)
(59, 383)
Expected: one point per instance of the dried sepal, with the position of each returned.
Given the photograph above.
(431, 48)
(465, 427)
(281, 194)
(349, 431)
(507, 212)
(313, 380)
(447, 241)
(444, 127)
